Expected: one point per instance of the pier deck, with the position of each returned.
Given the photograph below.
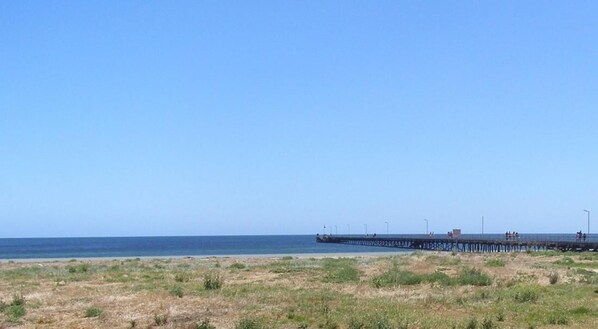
(464, 244)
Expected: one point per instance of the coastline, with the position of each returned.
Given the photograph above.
(215, 256)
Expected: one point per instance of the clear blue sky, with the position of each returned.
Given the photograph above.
(277, 117)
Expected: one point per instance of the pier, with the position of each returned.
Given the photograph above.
(474, 243)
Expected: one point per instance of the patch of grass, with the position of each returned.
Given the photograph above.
(14, 312)
(93, 312)
(340, 270)
(250, 323)
(586, 276)
(474, 277)
(160, 319)
(472, 324)
(582, 310)
(487, 324)
(526, 294)
(566, 261)
(495, 263)
(81, 268)
(287, 257)
(177, 291)
(205, 324)
(237, 266)
(182, 277)
(558, 318)
(212, 281)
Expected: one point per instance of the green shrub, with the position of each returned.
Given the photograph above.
(182, 277)
(340, 270)
(287, 257)
(15, 312)
(177, 291)
(553, 277)
(81, 268)
(558, 319)
(472, 324)
(160, 319)
(237, 266)
(474, 277)
(205, 324)
(495, 263)
(93, 312)
(500, 317)
(249, 323)
(487, 324)
(212, 281)
(526, 294)
(580, 310)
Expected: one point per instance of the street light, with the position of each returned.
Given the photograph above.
(335, 230)
(426, 226)
(588, 220)
(482, 224)
(348, 229)
(366, 229)
(386, 228)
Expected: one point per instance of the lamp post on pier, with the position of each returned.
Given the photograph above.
(482, 224)
(386, 228)
(426, 226)
(348, 229)
(588, 220)
(366, 229)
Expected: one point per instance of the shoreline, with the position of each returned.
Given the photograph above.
(239, 256)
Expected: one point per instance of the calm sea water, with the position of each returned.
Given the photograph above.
(23, 248)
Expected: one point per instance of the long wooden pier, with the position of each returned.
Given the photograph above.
(461, 244)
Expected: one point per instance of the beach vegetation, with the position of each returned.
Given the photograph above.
(340, 270)
(553, 277)
(93, 312)
(495, 263)
(204, 324)
(182, 277)
(177, 291)
(160, 319)
(250, 323)
(237, 266)
(213, 281)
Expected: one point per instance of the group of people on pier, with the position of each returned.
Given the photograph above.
(511, 235)
(580, 237)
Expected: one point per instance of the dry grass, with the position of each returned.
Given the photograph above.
(302, 292)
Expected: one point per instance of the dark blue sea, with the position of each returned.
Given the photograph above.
(37, 248)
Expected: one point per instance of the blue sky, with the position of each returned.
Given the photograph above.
(126, 118)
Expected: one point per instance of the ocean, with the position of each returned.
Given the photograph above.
(49, 248)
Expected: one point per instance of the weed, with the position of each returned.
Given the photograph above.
(15, 312)
(287, 257)
(177, 291)
(237, 266)
(487, 324)
(93, 312)
(472, 324)
(500, 317)
(212, 281)
(553, 277)
(249, 323)
(160, 319)
(495, 263)
(340, 270)
(205, 324)
(474, 277)
(526, 294)
(182, 277)
(580, 310)
(558, 318)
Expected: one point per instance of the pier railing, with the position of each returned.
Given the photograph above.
(472, 242)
